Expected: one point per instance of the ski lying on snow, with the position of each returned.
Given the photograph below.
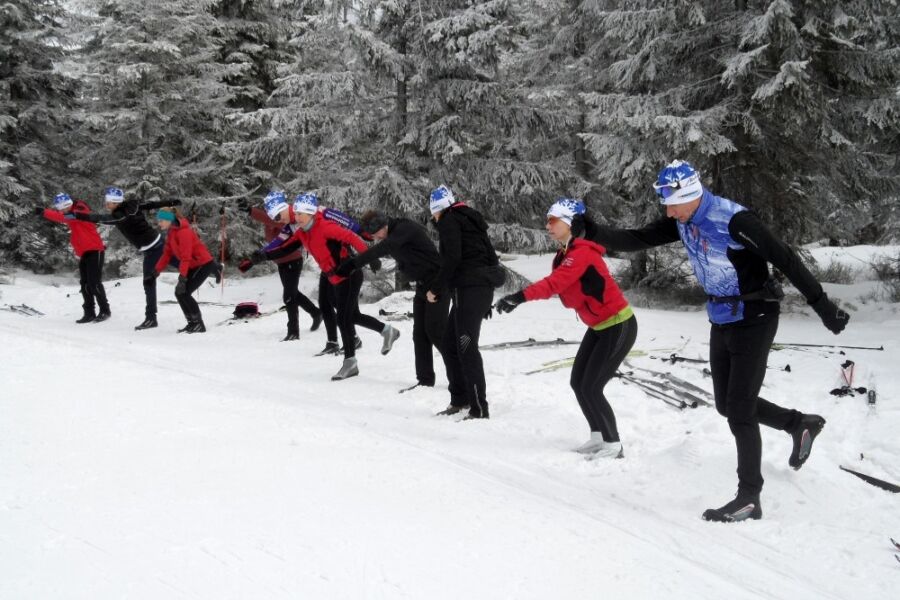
(23, 309)
(529, 343)
(879, 483)
(245, 319)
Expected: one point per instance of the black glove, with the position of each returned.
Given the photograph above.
(375, 265)
(345, 268)
(507, 304)
(174, 202)
(245, 265)
(181, 286)
(832, 316)
(257, 257)
(39, 211)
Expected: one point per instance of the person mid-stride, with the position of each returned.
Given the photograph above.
(582, 281)
(729, 249)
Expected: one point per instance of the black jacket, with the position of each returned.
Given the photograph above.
(129, 218)
(408, 244)
(467, 255)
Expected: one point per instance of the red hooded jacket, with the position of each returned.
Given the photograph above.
(182, 243)
(82, 234)
(317, 241)
(583, 282)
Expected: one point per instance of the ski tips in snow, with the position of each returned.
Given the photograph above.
(879, 483)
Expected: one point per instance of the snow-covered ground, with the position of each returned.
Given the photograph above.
(228, 465)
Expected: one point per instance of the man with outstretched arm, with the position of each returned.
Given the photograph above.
(729, 250)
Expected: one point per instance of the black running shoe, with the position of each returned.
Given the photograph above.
(743, 507)
(104, 315)
(149, 323)
(291, 336)
(330, 348)
(87, 318)
(809, 427)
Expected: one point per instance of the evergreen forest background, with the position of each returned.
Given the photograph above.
(789, 107)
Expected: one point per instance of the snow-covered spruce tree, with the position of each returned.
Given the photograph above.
(788, 107)
(36, 103)
(453, 114)
(157, 110)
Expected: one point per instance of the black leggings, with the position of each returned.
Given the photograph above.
(429, 323)
(195, 279)
(737, 358)
(346, 295)
(327, 303)
(293, 298)
(151, 257)
(461, 354)
(90, 276)
(600, 354)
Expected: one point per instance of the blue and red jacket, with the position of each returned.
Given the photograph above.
(582, 281)
(82, 234)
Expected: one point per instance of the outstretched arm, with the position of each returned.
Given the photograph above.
(659, 232)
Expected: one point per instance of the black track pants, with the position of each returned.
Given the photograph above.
(327, 304)
(737, 358)
(90, 276)
(463, 359)
(598, 357)
(429, 323)
(293, 298)
(195, 279)
(151, 257)
(346, 293)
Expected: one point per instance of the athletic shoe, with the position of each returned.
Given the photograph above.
(330, 348)
(607, 450)
(148, 323)
(87, 318)
(196, 327)
(102, 316)
(348, 369)
(390, 335)
(592, 445)
(452, 410)
(743, 507)
(291, 336)
(803, 435)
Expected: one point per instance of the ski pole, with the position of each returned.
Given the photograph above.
(881, 348)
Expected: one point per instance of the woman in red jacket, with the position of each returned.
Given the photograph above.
(89, 249)
(327, 242)
(583, 283)
(195, 264)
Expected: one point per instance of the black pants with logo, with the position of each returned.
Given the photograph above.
(737, 358)
(463, 359)
(90, 276)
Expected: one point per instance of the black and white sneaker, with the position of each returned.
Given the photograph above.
(452, 410)
(87, 318)
(102, 316)
(809, 427)
(330, 348)
(348, 369)
(743, 507)
(149, 323)
(291, 336)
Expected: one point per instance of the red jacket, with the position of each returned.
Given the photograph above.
(274, 229)
(182, 243)
(317, 244)
(82, 234)
(583, 282)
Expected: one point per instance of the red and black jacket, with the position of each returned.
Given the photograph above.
(183, 243)
(326, 241)
(583, 282)
(82, 235)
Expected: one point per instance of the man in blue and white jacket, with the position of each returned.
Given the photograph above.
(729, 249)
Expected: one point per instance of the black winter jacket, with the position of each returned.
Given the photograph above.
(129, 218)
(467, 255)
(407, 243)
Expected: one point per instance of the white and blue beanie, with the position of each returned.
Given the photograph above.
(62, 201)
(678, 183)
(565, 209)
(307, 203)
(114, 195)
(275, 202)
(441, 199)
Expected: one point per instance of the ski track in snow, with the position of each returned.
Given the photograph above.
(228, 465)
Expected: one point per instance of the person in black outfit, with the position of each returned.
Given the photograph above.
(729, 249)
(128, 217)
(417, 258)
(470, 271)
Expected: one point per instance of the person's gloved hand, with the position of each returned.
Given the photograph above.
(489, 314)
(257, 257)
(832, 316)
(345, 268)
(507, 304)
(245, 265)
(181, 286)
(375, 265)
(39, 211)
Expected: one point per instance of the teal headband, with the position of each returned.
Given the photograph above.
(165, 215)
